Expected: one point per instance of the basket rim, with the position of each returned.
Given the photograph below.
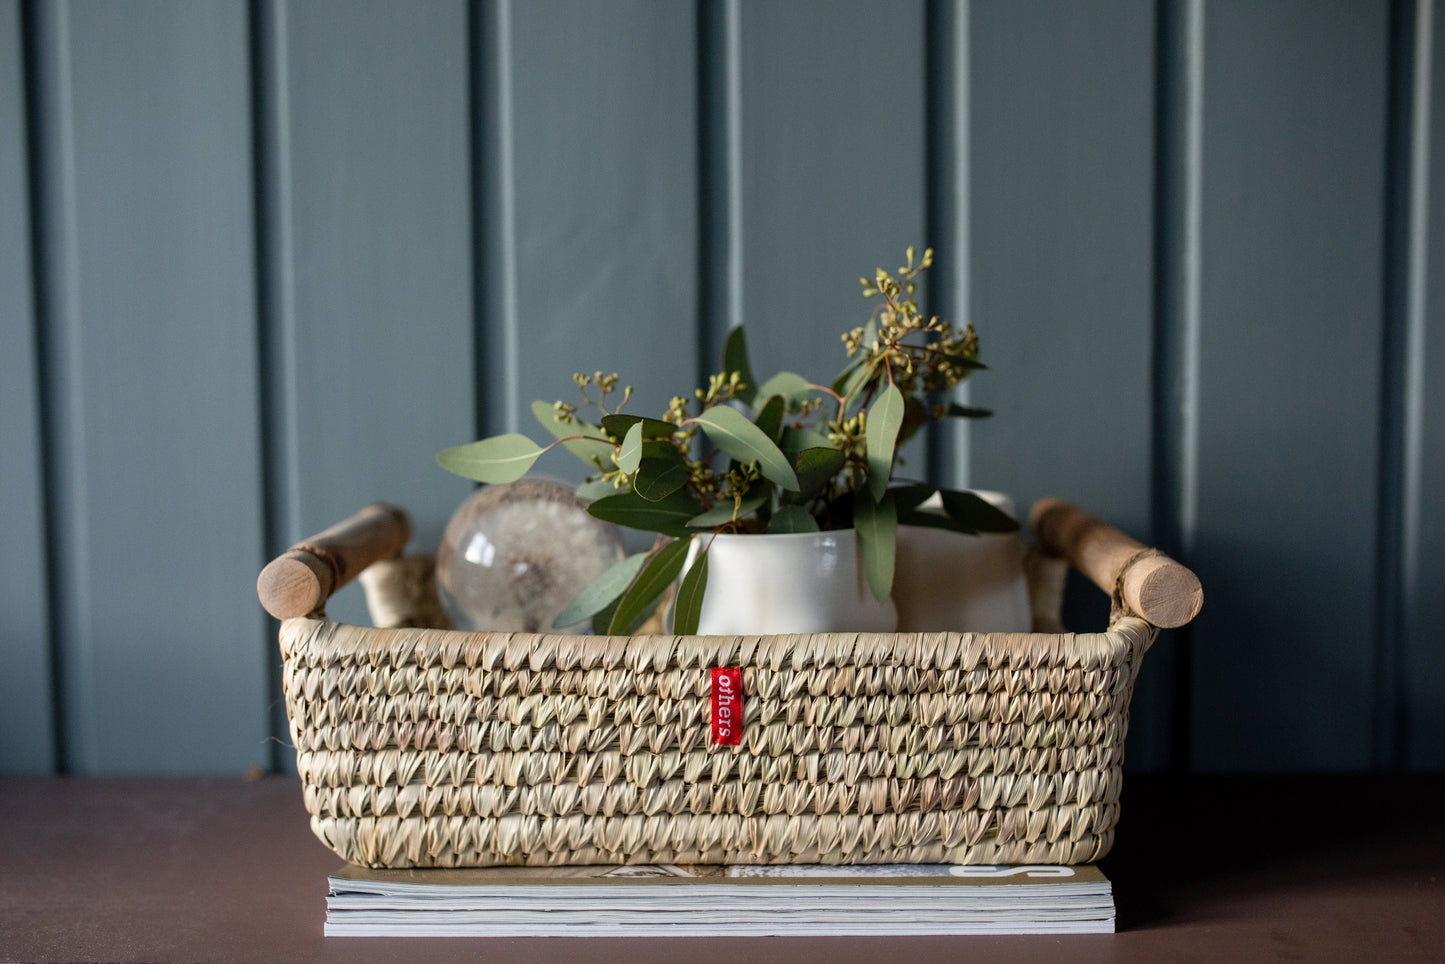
(1127, 638)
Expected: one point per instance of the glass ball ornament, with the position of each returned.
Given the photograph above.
(514, 555)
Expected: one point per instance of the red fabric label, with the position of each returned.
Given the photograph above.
(727, 705)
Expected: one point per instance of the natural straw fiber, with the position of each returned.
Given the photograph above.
(436, 748)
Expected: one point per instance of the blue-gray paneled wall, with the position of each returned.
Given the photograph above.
(258, 261)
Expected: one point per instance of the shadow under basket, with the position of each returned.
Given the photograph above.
(422, 746)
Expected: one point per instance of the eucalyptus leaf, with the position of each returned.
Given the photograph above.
(735, 359)
(815, 466)
(725, 511)
(594, 450)
(792, 518)
(660, 449)
(925, 519)
(770, 418)
(688, 609)
(956, 410)
(603, 619)
(853, 377)
(876, 524)
(630, 455)
(641, 597)
(601, 592)
(973, 510)
(915, 416)
(786, 384)
(910, 497)
(595, 489)
(651, 428)
(667, 515)
(730, 431)
(849, 375)
(658, 478)
(885, 418)
(796, 439)
(501, 458)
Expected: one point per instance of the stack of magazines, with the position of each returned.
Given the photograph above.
(690, 901)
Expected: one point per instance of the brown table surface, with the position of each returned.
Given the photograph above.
(1317, 868)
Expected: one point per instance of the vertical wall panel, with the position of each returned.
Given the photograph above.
(149, 305)
(597, 145)
(1292, 232)
(1424, 564)
(1061, 134)
(27, 739)
(834, 158)
(368, 243)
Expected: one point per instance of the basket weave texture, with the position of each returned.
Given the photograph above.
(439, 748)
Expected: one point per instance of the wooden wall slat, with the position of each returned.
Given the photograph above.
(1295, 101)
(834, 153)
(27, 737)
(1061, 200)
(152, 377)
(1061, 116)
(1423, 655)
(369, 257)
(600, 142)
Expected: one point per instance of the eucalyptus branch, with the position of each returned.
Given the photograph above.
(800, 458)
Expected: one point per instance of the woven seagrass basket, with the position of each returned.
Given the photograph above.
(427, 747)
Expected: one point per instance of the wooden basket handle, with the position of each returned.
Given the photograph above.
(1153, 586)
(301, 580)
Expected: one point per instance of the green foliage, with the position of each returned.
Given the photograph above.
(735, 359)
(660, 475)
(640, 598)
(964, 512)
(667, 516)
(770, 418)
(503, 458)
(786, 385)
(885, 419)
(877, 526)
(728, 513)
(648, 428)
(588, 442)
(747, 456)
(731, 431)
(688, 611)
(792, 518)
(816, 468)
(602, 591)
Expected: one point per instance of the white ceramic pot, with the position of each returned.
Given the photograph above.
(805, 582)
(950, 582)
